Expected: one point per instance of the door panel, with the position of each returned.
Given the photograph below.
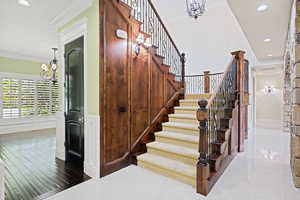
(74, 101)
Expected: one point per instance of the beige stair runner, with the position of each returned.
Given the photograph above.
(175, 151)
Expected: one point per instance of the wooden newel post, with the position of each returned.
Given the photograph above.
(183, 61)
(203, 165)
(206, 82)
(242, 108)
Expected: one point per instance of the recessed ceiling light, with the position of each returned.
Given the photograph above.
(270, 55)
(24, 3)
(267, 40)
(262, 7)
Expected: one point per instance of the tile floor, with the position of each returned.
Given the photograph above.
(261, 173)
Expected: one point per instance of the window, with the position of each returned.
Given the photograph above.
(27, 97)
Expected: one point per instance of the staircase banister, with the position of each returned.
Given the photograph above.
(211, 99)
(164, 27)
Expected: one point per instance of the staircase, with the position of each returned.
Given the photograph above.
(175, 151)
(193, 139)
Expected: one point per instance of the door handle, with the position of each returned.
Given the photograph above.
(122, 109)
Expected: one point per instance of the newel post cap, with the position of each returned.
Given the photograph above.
(202, 103)
(202, 111)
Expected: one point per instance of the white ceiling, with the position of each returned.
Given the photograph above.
(26, 30)
(257, 26)
(207, 41)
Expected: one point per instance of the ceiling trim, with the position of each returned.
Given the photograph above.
(71, 12)
(18, 56)
(266, 63)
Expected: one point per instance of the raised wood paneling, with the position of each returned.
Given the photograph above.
(134, 90)
(157, 88)
(115, 143)
(140, 96)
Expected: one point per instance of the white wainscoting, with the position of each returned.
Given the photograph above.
(21, 125)
(60, 135)
(2, 188)
(91, 143)
(92, 146)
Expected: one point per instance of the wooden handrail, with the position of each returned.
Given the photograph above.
(220, 84)
(163, 25)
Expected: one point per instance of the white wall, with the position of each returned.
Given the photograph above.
(269, 107)
(207, 41)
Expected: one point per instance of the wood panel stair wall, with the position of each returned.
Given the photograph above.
(137, 92)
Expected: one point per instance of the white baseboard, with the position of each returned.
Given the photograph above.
(23, 125)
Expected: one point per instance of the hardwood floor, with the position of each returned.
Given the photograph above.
(32, 171)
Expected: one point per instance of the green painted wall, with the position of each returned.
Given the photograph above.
(92, 14)
(10, 65)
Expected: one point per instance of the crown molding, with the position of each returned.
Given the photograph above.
(18, 56)
(267, 63)
(75, 8)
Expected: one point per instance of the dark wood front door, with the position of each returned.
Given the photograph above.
(74, 101)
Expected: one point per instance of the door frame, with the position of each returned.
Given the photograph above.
(69, 34)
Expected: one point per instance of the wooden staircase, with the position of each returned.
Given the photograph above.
(192, 139)
(174, 153)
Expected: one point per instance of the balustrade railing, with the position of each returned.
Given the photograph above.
(145, 12)
(219, 117)
(199, 84)
(223, 98)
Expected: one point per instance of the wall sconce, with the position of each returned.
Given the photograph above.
(142, 41)
(269, 89)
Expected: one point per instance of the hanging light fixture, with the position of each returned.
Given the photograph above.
(195, 8)
(49, 71)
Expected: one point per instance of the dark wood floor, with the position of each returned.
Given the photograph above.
(32, 172)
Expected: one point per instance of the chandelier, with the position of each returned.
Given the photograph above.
(195, 8)
(49, 71)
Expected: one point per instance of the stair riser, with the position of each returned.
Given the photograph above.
(183, 120)
(180, 130)
(188, 104)
(177, 142)
(170, 155)
(168, 173)
(192, 112)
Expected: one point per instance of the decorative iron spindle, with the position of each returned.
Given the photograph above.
(195, 84)
(222, 99)
(144, 11)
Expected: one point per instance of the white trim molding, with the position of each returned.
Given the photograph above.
(92, 146)
(29, 124)
(77, 7)
(91, 122)
(2, 176)
(18, 56)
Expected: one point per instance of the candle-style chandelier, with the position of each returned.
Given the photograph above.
(49, 71)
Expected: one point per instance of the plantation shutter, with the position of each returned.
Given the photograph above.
(10, 98)
(27, 97)
(55, 98)
(27, 104)
(43, 98)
